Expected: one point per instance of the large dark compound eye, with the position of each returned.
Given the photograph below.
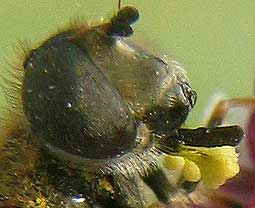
(70, 103)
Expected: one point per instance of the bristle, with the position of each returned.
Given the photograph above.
(11, 113)
(22, 51)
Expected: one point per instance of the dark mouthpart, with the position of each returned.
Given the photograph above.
(211, 137)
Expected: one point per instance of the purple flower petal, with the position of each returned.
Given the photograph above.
(251, 137)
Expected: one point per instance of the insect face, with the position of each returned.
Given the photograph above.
(89, 80)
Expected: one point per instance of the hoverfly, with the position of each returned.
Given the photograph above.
(92, 115)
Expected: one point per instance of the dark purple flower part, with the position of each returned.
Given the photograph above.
(251, 137)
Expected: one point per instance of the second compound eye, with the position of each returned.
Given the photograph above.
(164, 120)
(172, 109)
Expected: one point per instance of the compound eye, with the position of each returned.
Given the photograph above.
(162, 120)
(171, 112)
(71, 105)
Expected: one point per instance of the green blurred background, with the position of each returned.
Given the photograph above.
(214, 40)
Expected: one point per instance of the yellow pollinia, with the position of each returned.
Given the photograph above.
(212, 165)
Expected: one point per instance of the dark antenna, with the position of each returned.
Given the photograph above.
(119, 4)
(120, 23)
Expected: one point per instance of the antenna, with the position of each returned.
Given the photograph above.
(119, 4)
